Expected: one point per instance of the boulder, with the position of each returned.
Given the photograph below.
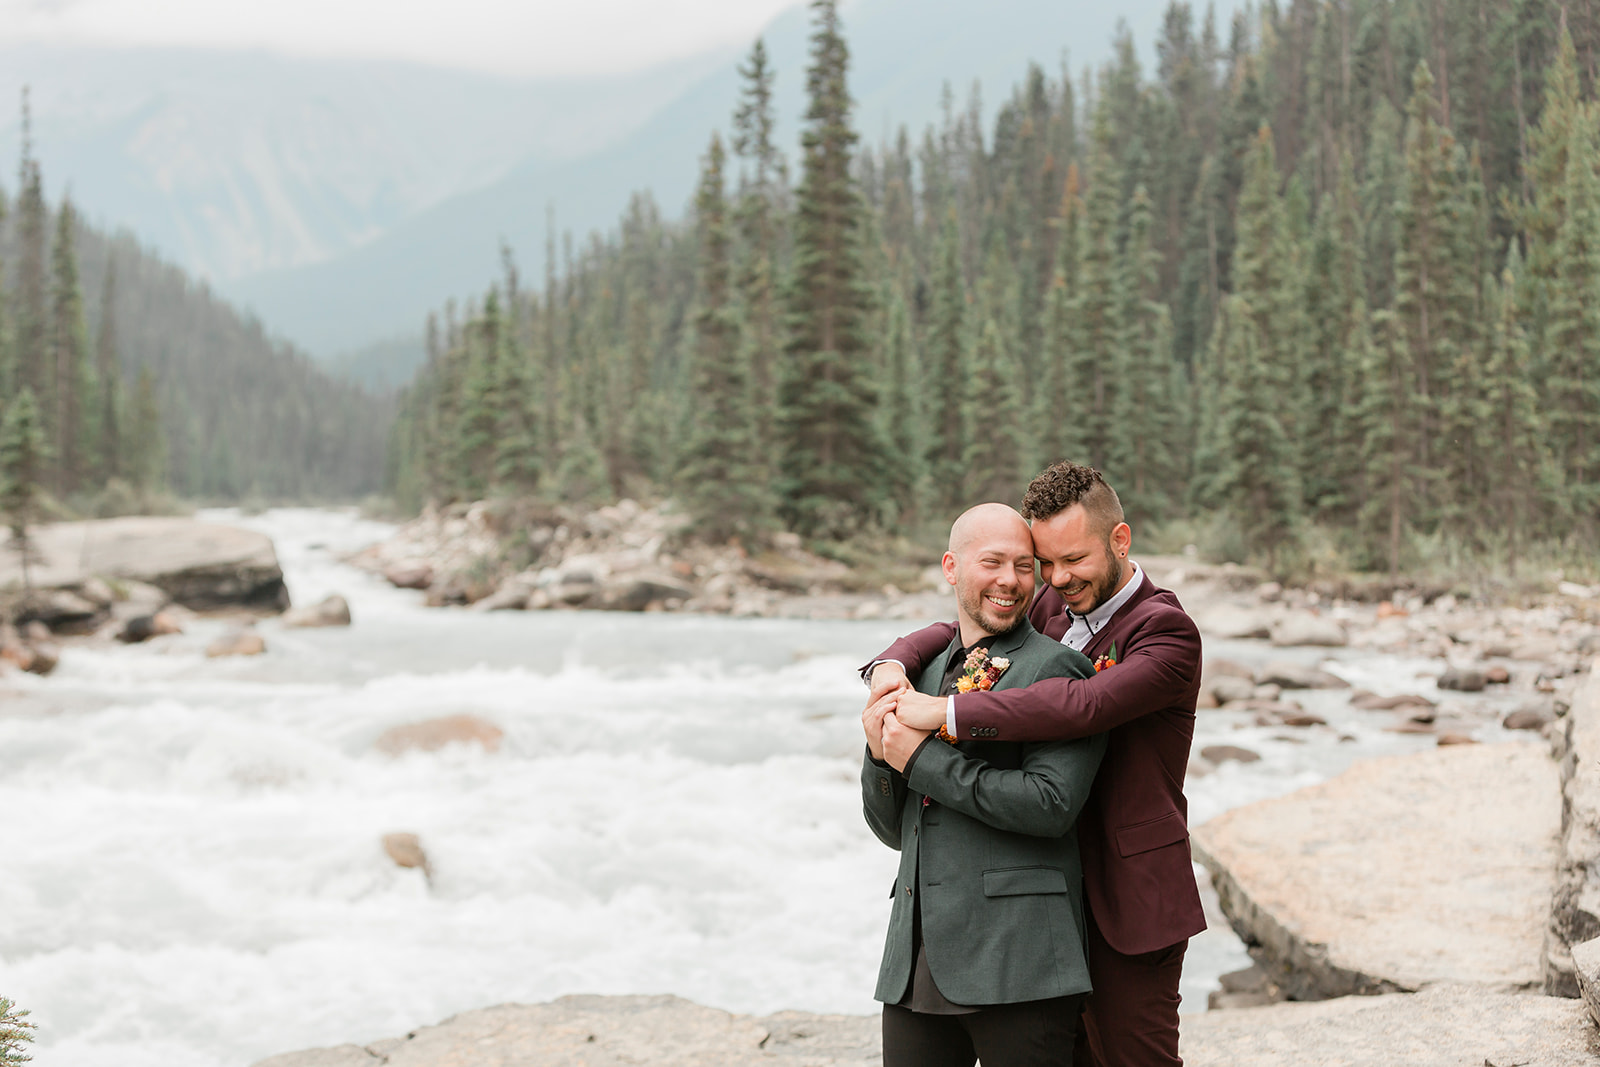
(1456, 739)
(1215, 668)
(434, 734)
(1400, 872)
(202, 565)
(1445, 1025)
(1496, 675)
(332, 610)
(1373, 702)
(1228, 688)
(61, 611)
(513, 595)
(46, 657)
(409, 574)
(1303, 719)
(1303, 628)
(595, 1031)
(1223, 753)
(1463, 679)
(406, 851)
(1294, 676)
(142, 628)
(237, 643)
(635, 592)
(1586, 965)
(1232, 621)
(1530, 715)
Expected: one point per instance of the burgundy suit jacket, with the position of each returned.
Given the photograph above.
(1133, 832)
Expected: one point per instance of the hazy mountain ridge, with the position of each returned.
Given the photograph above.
(232, 164)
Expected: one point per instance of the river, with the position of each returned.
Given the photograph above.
(193, 874)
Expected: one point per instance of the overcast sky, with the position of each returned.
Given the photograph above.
(529, 38)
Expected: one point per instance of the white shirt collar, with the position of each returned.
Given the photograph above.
(1096, 620)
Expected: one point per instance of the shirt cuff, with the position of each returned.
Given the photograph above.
(950, 716)
(866, 675)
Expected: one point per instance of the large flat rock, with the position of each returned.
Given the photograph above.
(1443, 1026)
(1401, 872)
(202, 565)
(591, 1031)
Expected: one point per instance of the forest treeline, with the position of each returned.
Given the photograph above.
(1325, 285)
(138, 382)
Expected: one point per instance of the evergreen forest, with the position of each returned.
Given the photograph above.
(123, 382)
(1323, 287)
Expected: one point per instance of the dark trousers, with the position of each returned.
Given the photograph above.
(1131, 1018)
(1035, 1033)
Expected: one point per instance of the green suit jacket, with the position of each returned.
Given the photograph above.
(993, 856)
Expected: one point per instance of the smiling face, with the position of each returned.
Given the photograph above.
(990, 563)
(1085, 563)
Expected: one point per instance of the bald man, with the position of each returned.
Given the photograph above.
(985, 956)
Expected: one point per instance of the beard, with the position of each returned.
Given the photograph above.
(1104, 586)
(974, 607)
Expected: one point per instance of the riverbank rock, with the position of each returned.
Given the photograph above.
(333, 610)
(1303, 628)
(203, 566)
(410, 574)
(592, 1031)
(1463, 679)
(433, 734)
(1575, 903)
(236, 643)
(1399, 873)
(406, 851)
(1446, 1025)
(142, 628)
(1295, 676)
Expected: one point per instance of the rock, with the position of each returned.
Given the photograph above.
(414, 574)
(1496, 675)
(1303, 719)
(636, 592)
(202, 565)
(434, 734)
(1456, 739)
(237, 643)
(142, 628)
(1445, 1025)
(1227, 620)
(60, 611)
(1410, 727)
(35, 632)
(1388, 609)
(332, 610)
(1223, 753)
(1586, 965)
(1269, 592)
(1294, 676)
(594, 1031)
(1400, 872)
(1423, 715)
(1229, 688)
(1303, 628)
(1530, 715)
(1215, 668)
(1463, 679)
(1267, 692)
(46, 657)
(1573, 589)
(1372, 702)
(513, 595)
(406, 851)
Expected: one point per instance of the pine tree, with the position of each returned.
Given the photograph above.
(107, 454)
(760, 199)
(721, 475)
(69, 352)
(1144, 425)
(480, 402)
(903, 409)
(948, 370)
(1254, 478)
(147, 448)
(15, 1033)
(1061, 433)
(829, 446)
(1572, 391)
(1389, 427)
(1096, 364)
(997, 462)
(32, 313)
(23, 455)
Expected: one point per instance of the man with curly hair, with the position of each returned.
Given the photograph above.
(1139, 887)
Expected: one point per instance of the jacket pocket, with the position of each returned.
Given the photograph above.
(1016, 881)
(1167, 829)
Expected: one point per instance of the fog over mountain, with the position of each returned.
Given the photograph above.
(342, 200)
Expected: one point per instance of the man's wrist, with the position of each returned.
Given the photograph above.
(866, 675)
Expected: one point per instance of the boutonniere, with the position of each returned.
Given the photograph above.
(1109, 659)
(978, 674)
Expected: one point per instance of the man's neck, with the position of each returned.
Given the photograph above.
(971, 633)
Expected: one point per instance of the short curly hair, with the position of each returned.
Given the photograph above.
(1061, 485)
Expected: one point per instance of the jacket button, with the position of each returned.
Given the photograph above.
(883, 786)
